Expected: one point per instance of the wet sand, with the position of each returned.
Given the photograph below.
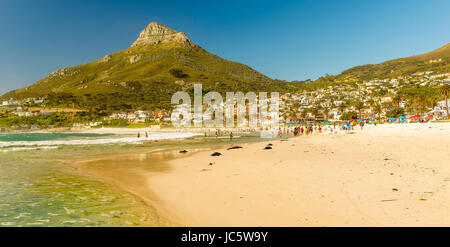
(388, 175)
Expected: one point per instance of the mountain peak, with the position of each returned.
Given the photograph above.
(156, 33)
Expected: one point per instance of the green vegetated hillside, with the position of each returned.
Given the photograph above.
(163, 61)
(437, 61)
(148, 74)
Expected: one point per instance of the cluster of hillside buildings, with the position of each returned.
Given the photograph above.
(368, 92)
(335, 99)
(14, 102)
(141, 116)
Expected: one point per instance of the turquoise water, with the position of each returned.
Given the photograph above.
(32, 137)
(40, 192)
(39, 187)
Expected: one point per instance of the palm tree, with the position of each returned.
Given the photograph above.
(387, 105)
(304, 114)
(326, 112)
(377, 109)
(342, 108)
(420, 104)
(433, 102)
(291, 114)
(409, 107)
(445, 90)
(314, 112)
(359, 105)
(396, 100)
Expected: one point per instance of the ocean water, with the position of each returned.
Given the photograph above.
(40, 187)
(59, 139)
(42, 194)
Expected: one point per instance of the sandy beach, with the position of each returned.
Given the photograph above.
(385, 175)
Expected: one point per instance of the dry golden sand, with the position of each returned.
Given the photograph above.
(388, 175)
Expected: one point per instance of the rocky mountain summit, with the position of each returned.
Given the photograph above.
(156, 33)
(159, 63)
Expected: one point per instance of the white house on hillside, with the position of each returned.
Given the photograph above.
(440, 110)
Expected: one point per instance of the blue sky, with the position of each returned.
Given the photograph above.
(290, 40)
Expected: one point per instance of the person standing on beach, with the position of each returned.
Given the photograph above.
(139, 135)
(231, 135)
(146, 135)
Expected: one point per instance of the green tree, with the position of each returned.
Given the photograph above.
(444, 90)
(359, 105)
(433, 102)
(342, 108)
(304, 114)
(396, 112)
(178, 73)
(420, 104)
(377, 109)
(350, 115)
(314, 111)
(396, 100)
(326, 112)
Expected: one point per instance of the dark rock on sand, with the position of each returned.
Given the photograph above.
(267, 148)
(216, 154)
(183, 151)
(235, 147)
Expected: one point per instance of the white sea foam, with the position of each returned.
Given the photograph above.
(12, 149)
(99, 141)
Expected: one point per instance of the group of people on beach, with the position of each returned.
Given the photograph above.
(321, 128)
(139, 135)
(219, 132)
(307, 130)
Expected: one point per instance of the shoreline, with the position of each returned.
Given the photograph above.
(322, 180)
(147, 197)
(111, 130)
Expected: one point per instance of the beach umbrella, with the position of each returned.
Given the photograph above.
(430, 116)
(371, 120)
(393, 119)
(402, 117)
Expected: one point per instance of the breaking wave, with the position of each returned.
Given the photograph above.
(97, 141)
